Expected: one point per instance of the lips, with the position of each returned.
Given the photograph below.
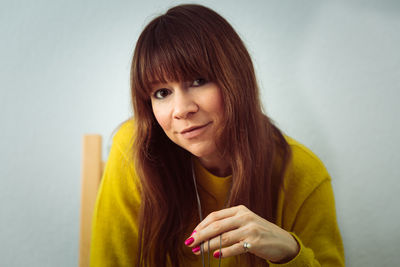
(193, 128)
(194, 131)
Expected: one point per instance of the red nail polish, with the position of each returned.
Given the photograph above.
(216, 254)
(189, 241)
(196, 249)
(193, 232)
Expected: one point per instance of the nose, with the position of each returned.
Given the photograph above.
(184, 105)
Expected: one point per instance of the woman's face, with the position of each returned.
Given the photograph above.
(190, 114)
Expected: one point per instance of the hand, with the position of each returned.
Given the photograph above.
(238, 225)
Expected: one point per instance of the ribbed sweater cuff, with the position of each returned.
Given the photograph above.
(303, 258)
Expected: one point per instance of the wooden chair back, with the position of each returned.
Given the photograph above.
(92, 171)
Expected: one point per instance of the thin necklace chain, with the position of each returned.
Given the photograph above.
(201, 219)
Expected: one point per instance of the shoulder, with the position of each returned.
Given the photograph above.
(305, 174)
(119, 177)
(305, 171)
(124, 136)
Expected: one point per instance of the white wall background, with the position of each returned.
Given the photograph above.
(330, 77)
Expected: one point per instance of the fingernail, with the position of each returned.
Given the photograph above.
(193, 232)
(196, 249)
(189, 241)
(216, 254)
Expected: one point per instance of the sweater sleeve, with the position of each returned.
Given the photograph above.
(316, 231)
(306, 209)
(114, 228)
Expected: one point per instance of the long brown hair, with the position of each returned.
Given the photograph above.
(186, 43)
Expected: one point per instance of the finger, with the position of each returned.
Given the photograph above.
(209, 245)
(214, 229)
(223, 240)
(218, 215)
(233, 250)
(241, 219)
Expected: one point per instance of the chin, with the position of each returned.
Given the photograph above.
(197, 154)
(200, 152)
(199, 149)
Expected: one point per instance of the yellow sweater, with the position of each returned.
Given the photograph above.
(306, 208)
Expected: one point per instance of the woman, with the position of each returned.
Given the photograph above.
(201, 169)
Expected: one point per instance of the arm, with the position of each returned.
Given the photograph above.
(316, 230)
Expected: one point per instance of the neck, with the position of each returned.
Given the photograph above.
(216, 165)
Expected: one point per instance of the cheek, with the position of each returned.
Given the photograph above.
(215, 104)
(161, 117)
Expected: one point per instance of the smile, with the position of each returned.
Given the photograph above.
(195, 131)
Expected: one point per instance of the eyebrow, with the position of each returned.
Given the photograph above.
(154, 85)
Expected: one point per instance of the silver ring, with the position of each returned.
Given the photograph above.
(246, 246)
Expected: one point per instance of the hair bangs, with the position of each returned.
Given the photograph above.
(173, 52)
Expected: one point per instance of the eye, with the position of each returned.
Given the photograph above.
(161, 93)
(199, 82)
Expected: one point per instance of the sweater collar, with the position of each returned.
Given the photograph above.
(215, 185)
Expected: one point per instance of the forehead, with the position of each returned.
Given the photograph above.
(169, 58)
